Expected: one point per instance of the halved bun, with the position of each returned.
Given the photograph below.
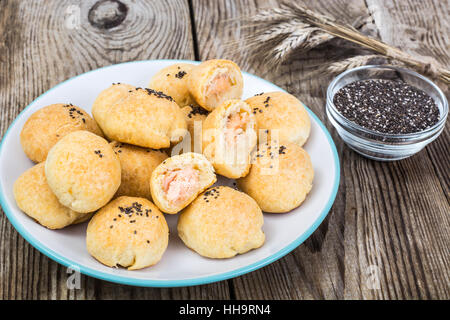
(177, 181)
(229, 136)
(214, 81)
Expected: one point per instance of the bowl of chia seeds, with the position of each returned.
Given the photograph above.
(384, 112)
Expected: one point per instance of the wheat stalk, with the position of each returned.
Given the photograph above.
(294, 28)
(299, 39)
(268, 16)
(350, 63)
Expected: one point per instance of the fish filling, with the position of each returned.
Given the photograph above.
(219, 84)
(235, 127)
(180, 184)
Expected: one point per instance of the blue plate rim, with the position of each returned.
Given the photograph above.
(172, 283)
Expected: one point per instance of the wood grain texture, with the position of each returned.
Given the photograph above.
(390, 220)
(42, 44)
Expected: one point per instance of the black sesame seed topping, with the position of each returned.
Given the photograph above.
(180, 74)
(158, 94)
(197, 110)
(99, 153)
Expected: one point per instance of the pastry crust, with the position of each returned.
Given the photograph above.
(129, 232)
(280, 177)
(107, 98)
(194, 116)
(230, 157)
(83, 171)
(221, 223)
(283, 112)
(48, 125)
(177, 181)
(214, 81)
(34, 197)
(85, 218)
(145, 118)
(137, 165)
(173, 81)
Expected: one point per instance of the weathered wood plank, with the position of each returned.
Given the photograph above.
(389, 227)
(43, 43)
(389, 219)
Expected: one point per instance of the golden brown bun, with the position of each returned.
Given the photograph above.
(229, 160)
(282, 183)
(83, 171)
(128, 232)
(283, 112)
(34, 197)
(145, 118)
(221, 223)
(137, 166)
(85, 218)
(172, 80)
(107, 98)
(198, 175)
(194, 116)
(48, 125)
(214, 81)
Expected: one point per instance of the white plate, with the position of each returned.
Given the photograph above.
(179, 266)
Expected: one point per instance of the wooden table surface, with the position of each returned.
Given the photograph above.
(387, 235)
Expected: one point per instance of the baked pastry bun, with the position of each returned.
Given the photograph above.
(48, 125)
(145, 118)
(137, 166)
(107, 98)
(83, 171)
(34, 197)
(280, 177)
(177, 181)
(228, 137)
(282, 112)
(221, 223)
(215, 81)
(192, 142)
(129, 232)
(172, 80)
(84, 218)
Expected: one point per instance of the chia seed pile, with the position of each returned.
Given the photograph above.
(387, 106)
